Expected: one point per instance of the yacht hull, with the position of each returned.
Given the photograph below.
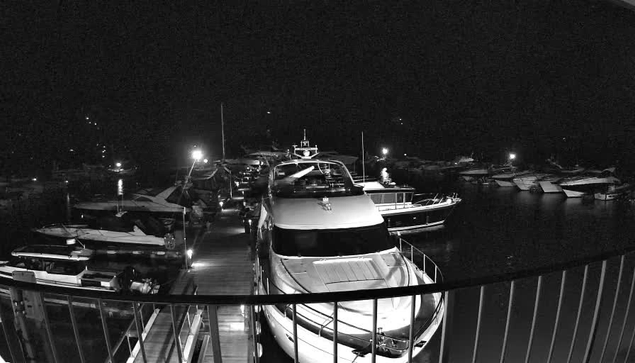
(573, 193)
(319, 348)
(549, 187)
(504, 183)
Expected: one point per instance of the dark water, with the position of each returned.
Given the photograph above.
(496, 230)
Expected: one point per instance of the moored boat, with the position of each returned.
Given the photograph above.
(319, 232)
(402, 213)
(118, 231)
(70, 266)
(576, 187)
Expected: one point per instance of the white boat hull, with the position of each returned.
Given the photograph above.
(573, 193)
(403, 217)
(504, 183)
(317, 349)
(606, 196)
(549, 187)
(105, 236)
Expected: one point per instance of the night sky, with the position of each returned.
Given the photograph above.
(538, 77)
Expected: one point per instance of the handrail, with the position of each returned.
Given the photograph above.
(323, 297)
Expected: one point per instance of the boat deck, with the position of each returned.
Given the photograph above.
(221, 264)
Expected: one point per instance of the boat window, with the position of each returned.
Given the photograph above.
(400, 197)
(376, 197)
(390, 197)
(331, 242)
(64, 267)
(18, 262)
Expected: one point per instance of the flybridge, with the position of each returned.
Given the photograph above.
(305, 150)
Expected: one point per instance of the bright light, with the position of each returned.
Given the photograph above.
(190, 253)
(118, 165)
(70, 241)
(34, 179)
(384, 151)
(205, 161)
(221, 204)
(197, 155)
(512, 156)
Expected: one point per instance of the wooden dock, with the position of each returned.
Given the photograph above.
(221, 264)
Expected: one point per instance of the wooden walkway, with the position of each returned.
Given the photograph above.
(221, 264)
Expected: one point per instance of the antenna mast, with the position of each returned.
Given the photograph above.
(222, 129)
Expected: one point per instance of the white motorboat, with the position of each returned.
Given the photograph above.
(70, 266)
(395, 203)
(529, 181)
(474, 173)
(157, 201)
(119, 230)
(578, 186)
(549, 183)
(319, 232)
(613, 192)
(506, 179)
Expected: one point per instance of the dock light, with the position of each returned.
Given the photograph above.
(221, 204)
(205, 161)
(34, 179)
(384, 151)
(118, 165)
(512, 156)
(196, 155)
(189, 253)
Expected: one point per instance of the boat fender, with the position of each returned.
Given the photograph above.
(169, 241)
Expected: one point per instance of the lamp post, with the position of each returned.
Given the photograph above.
(196, 155)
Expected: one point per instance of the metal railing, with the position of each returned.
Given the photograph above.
(516, 316)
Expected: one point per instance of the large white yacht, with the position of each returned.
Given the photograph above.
(319, 232)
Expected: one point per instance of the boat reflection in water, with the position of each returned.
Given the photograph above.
(319, 232)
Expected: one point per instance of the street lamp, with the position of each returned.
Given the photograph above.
(196, 155)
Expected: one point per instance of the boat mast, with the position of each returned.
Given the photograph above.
(222, 129)
(363, 161)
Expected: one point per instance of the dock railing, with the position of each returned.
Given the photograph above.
(576, 311)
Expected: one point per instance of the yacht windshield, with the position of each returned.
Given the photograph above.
(331, 242)
(313, 180)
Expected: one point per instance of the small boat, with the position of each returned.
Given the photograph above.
(506, 179)
(549, 183)
(474, 173)
(70, 266)
(119, 230)
(578, 186)
(317, 230)
(395, 203)
(613, 192)
(529, 181)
